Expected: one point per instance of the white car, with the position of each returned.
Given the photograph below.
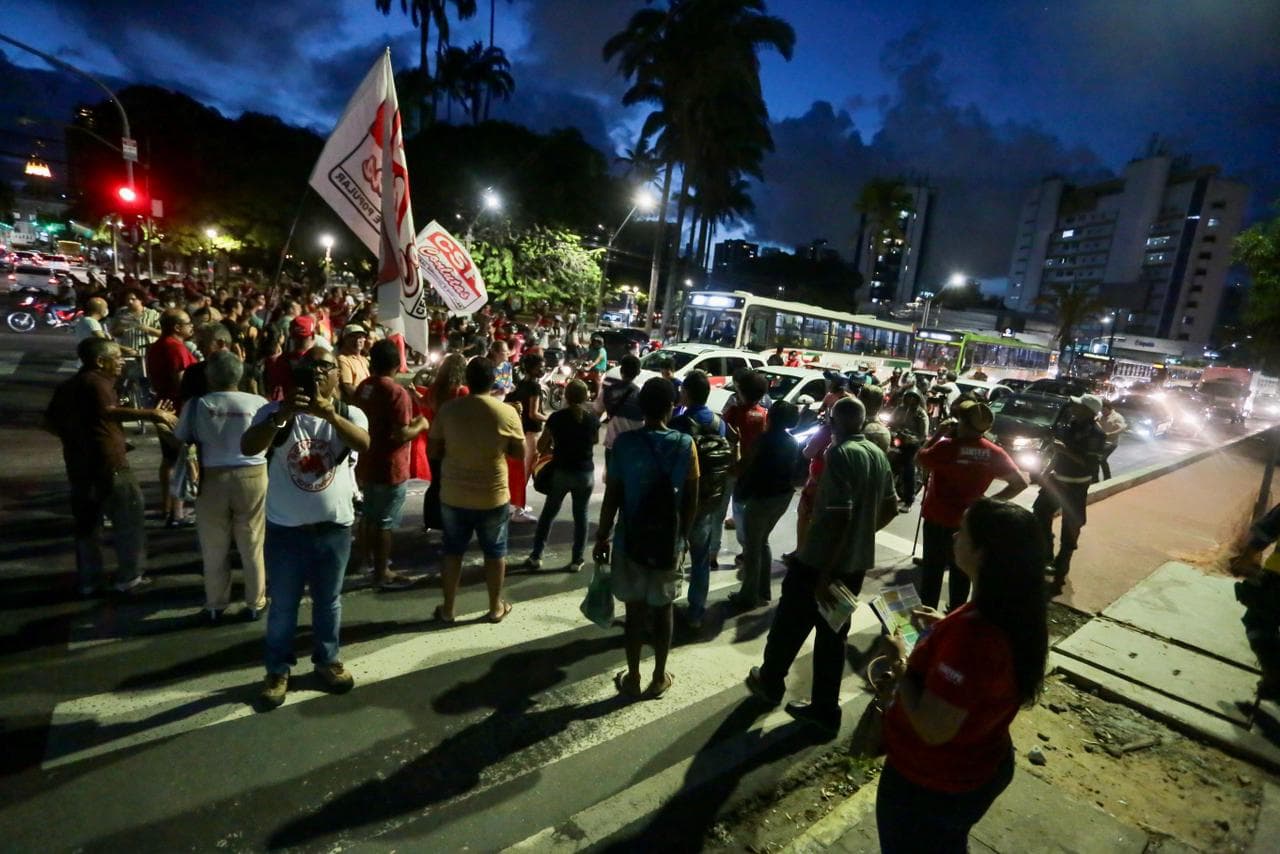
(32, 277)
(718, 363)
(57, 263)
(804, 387)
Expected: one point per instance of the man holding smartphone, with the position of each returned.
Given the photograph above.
(308, 439)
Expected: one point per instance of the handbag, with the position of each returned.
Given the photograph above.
(543, 470)
(867, 741)
(597, 605)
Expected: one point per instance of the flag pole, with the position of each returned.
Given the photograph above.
(284, 250)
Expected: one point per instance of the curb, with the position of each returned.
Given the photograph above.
(1108, 488)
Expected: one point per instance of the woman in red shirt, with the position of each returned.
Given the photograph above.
(946, 731)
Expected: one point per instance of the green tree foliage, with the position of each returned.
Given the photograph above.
(1071, 304)
(538, 263)
(1258, 249)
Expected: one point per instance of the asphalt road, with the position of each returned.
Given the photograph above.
(128, 726)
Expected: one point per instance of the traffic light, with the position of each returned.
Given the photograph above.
(127, 194)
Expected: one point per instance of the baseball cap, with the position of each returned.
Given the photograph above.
(836, 378)
(1091, 402)
(303, 326)
(976, 414)
(354, 329)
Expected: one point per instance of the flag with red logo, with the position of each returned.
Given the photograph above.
(363, 176)
(445, 263)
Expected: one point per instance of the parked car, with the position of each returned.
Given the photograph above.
(1147, 417)
(1015, 384)
(988, 391)
(618, 340)
(802, 386)
(1024, 427)
(1062, 386)
(719, 363)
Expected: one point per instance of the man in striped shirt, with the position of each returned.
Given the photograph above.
(135, 326)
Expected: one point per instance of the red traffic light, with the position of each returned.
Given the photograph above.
(127, 194)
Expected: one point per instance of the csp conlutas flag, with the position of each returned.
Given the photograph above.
(447, 265)
(362, 175)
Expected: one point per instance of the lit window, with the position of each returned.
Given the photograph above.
(1213, 222)
(1070, 232)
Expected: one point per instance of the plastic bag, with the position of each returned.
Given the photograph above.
(597, 605)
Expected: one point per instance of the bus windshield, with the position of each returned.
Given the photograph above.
(710, 326)
(936, 355)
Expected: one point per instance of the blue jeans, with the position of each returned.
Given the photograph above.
(722, 507)
(313, 556)
(758, 519)
(578, 484)
(489, 526)
(700, 535)
(384, 504)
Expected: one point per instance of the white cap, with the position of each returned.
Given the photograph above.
(1091, 402)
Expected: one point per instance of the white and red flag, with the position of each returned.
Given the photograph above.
(445, 263)
(363, 176)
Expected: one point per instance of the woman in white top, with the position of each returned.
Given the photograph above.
(233, 487)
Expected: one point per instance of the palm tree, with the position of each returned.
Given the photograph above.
(487, 72)
(451, 78)
(1072, 303)
(422, 14)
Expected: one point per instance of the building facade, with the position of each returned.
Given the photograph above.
(890, 265)
(1155, 243)
(730, 255)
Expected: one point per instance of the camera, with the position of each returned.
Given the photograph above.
(304, 378)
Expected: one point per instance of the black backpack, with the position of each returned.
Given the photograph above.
(653, 535)
(716, 458)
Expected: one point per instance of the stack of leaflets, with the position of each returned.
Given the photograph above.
(893, 606)
(839, 613)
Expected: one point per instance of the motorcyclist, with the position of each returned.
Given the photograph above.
(909, 426)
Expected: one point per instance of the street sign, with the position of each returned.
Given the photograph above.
(129, 147)
(157, 209)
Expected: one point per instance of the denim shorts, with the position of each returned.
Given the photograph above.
(490, 526)
(384, 504)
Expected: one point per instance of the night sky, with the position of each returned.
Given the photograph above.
(982, 99)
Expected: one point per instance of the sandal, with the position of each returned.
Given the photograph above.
(656, 690)
(625, 688)
(506, 609)
(439, 617)
(396, 581)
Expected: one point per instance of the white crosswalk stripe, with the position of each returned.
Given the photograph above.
(9, 361)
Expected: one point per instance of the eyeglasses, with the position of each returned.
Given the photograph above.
(324, 367)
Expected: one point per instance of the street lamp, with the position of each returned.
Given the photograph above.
(492, 201)
(956, 280)
(326, 240)
(644, 201)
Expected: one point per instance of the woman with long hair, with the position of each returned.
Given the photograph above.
(946, 731)
(449, 383)
(571, 436)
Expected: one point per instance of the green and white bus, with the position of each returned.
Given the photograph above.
(819, 337)
(999, 357)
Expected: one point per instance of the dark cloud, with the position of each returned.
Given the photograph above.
(980, 169)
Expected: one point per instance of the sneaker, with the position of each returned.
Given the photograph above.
(523, 514)
(533, 564)
(828, 722)
(213, 616)
(574, 566)
(136, 583)
(274, 689)
(335, 677)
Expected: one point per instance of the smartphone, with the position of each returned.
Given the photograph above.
(304, 379)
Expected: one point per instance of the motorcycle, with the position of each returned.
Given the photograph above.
(582, 370)
(902, 448)
(555, 378)
(37, 307)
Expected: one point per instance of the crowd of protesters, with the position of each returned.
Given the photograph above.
(282, 419)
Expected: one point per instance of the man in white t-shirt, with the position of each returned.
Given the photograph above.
(233, 485)
(308, 439)
(90, 324)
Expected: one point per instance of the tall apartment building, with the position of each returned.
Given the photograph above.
(1156, 243)
(729, 255)
(890, 266)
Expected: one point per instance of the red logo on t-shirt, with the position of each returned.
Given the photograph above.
(311, 465)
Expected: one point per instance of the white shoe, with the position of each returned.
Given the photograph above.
(523, 514)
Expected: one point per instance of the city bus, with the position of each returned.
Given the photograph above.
(1125, 372)
(1000, 357)
(822, 337)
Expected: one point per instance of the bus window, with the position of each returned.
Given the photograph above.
(844, 337)
(788, 328)
(760, 333)
(815, 333)
(710, 326)
(936, 356)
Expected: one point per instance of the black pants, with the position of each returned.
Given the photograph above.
(796, 617)
(914, 820)
(1071, 499)
(937, 559)
(431, 501)
(1261, 599)
(1107, 451)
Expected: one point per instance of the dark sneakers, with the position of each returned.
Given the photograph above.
(274, 689)
(825, 720)
(755, 684)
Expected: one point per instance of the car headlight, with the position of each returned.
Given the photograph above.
(1028, 461)
(1022, 442)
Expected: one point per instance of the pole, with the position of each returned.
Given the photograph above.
(58, 63)
(115, 252)
(1264, 493)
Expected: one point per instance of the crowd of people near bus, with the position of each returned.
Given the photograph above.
(286, 429)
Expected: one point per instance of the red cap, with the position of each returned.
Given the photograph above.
(303, 326)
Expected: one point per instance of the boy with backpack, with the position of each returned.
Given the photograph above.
(618, 405)
(652, 489)
(716, 459)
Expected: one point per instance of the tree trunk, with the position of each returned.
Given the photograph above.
(673, 265)
(702, 239)
(659, 243)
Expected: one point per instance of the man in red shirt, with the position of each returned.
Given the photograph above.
(961, 465)
(383, 470)
(746, 420)
(277, 370)
(167, 360)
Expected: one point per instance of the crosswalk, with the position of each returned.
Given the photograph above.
(14, 361)
(461, 675)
